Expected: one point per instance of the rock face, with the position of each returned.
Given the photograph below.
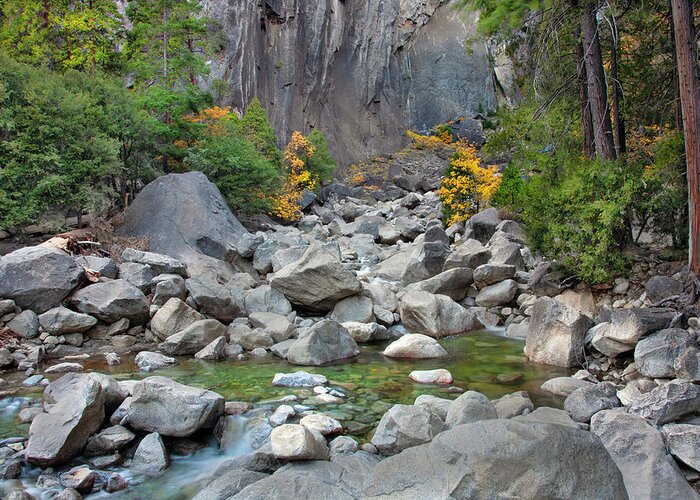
(112, 301)
(317, 281)
(638, 450)
(171, 409)
(57, 436)
(435, 315)
(325, 343)
(38, 278)
(556, 334)
(186, 217)
(305, 62)
(478, 461)
(404, 426)
(414, 345)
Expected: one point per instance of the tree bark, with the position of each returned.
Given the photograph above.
(686, 56)
(597, 87)
(586, 123)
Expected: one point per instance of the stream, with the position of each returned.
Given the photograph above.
(484, 361)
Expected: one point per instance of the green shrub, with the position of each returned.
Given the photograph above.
(321, 165)
(255, 128)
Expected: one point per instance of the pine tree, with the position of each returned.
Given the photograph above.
(321, 165)
(255, 127)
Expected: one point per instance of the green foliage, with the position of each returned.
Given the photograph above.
(255, 127)
(321, 165)
(161, 47)
(247, 178)
(62, 34)
(499, 14)
(61, 142)
(510, 191)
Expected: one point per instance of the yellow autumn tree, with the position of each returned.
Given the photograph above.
(297, 153)
(467, 186)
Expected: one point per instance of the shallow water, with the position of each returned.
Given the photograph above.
(483, 361)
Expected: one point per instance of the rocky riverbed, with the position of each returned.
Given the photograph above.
(339, 359)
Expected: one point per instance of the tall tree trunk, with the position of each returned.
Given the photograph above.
(686, 56)
(676, 87)
(597, 88)
(586, 123)
(617, 96)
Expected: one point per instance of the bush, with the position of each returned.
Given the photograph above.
(321, 165)
(297, 154)
(467, 186)
(255, 128)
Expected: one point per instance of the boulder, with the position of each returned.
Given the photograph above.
(149, 361)
(508, 255)
(556, 334)
(687, 365)
(64, 368)
(639, 453)
(435, 315)
(193, 338)
(171, 409)
(416, 346)
(500, 459)
(626, 327)
(468, 253)
(317, 281)
(500, 294)
(105, 266)
(59, 321)
(438, 406)
(112, 390)
(546, 415)
(439, 376)
(139, 275)
(356, 308)
(59, 435)
(512, 405)
(564, 386)
(38, 278)
(297, 442)
(25, 324)
(321, 424)
(683, 442)
(659, 288)
(223, 302)
(108, 441)
(298, 379)
(667, 402)
(111, 301)
(325, 342)
(267, 299)
(184, 216)
(470, 407)
(79, 479)
(585, 402)
(150, 457)
(213, 351)
(454, 283)
(276, 326)
(655, 355)
(172, 318)
(161, 264)
(404, 426)
(166, 287)
(490, 274)
(226, 484)
(483, 224)
(583, 301)
(367, 332)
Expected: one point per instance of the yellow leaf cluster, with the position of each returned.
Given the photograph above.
(468, 185)
(287, 204)
(213, 118)
(429, 141)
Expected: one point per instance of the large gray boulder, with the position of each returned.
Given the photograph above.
(325, 342)
(668, 402)
(266, 299)
(223, 302)
(500, 459)
(59, 321)
(585, 402)
(683, 442)
(470, 407)
(317, 281)
(112, 391)
(556, 334)
(171, 409)
(564, 386)
(149, 361)
(655, 355)
(186, 217)
(483, 224)
(490, 274)
(499, 294)
(109, 440)
(626, 327)
(638, 451)
(193, 338)
(25, 324)
(112, 301)
(468, 253)
(404, 426)
(150, 457)
(38, 278)
(59, 435)
(416, 346)
(435, 315)
(356, 308)
(296, 442)
(172, 318)
(161, 264)
(659, 288)
(454, 283)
